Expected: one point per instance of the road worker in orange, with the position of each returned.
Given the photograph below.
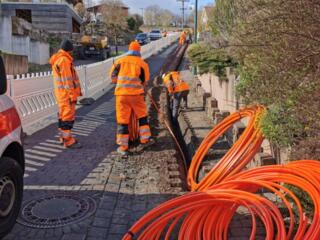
(67, 90)
(178, 90)
(183, 38)
(165, 33)
(131, 74)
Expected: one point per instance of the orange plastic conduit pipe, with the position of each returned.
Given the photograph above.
(207, 215)
(236, 158)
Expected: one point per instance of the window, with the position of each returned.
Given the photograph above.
(24, 14)
(142, 35)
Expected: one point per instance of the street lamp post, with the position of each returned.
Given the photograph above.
(196, 22)
(142, 9)
(194, 69)
(183, 10)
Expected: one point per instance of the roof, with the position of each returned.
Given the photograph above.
(100, 5)
(40, 7)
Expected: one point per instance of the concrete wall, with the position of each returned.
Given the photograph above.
(36, 51)
(222, 91)
(39, 52)
(5, 32)
(220, 100)
(51, 17)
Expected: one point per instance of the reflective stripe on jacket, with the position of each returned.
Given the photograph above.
(66, 81)
(130, 74)
(174, 83)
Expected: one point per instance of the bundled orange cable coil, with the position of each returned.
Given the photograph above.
(208, 214)
(236, 158)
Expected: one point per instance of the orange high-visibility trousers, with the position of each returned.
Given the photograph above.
(182, 41)
(125, 106)
(66, 115)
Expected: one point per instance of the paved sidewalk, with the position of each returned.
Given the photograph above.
(123, 189)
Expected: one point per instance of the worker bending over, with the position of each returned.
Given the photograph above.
(178, 90)
(131, 74)
(67, 90)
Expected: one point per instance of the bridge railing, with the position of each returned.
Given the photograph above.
(33, 93)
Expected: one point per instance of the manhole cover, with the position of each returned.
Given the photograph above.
(56, 210)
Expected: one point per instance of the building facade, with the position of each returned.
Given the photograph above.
(22, 25)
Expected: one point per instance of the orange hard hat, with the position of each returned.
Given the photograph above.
(134, 46)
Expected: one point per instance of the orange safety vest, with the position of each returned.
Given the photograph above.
(174, 83)
(66, 81)
(131, 74)
(182, 38)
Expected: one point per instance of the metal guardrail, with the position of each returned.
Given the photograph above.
(33, 93)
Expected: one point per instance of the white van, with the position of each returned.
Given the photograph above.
(11, 159)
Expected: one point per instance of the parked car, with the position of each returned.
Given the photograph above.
(11, 159)
(143, 38)
(155, 34)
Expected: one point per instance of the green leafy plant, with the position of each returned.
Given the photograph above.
(210, 60)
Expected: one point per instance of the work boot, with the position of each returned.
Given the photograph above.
(144, 146)
(122, 152)
(61, 141)
(72, 145)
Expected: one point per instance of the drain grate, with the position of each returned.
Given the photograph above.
(57, 210)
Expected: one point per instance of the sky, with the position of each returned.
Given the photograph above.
(172, 5)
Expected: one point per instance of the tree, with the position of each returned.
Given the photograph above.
(139, 20)
(166, 17)
(114, 18)
(80, 9)
(135, 22)
(131, 23)
(152, 15)
(276, 45)
(156, 16)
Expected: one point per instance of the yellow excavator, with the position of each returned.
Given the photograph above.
(93, 46)
(93, 42)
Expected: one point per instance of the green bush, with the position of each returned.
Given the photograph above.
(210, 60)
(280, 126)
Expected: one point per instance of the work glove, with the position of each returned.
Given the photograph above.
(73, 99)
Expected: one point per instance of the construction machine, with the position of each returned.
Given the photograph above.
(93, 42)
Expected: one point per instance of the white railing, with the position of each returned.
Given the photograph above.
(33, 93)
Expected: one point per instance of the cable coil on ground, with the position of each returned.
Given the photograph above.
(207, 214)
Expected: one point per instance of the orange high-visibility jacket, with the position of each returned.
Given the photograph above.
(131, 74)
(183, 38)
(174, 83)
(66, 82)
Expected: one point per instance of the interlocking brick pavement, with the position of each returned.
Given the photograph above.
(124, 189)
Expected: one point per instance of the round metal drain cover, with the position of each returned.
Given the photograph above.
(56, 210)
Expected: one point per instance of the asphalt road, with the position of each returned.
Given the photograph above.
(80, 62)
